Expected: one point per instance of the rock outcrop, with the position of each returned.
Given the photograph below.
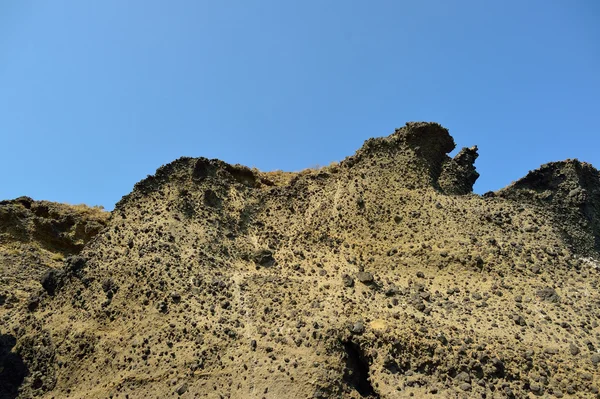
(35, 239)
(382, 276)
(459, 174)
(571, 191)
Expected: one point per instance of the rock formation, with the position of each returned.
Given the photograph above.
(571, 189)
(35, 239)
(382, 276)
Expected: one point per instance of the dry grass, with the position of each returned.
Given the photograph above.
(278, 177)
(58, 257)
(282, 178)
(92, 212)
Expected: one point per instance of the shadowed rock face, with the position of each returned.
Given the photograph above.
(418, 152)
(35, 238)
(571, 191)
(12, 368)
(458, 174)
(56, 227)
(381, 276)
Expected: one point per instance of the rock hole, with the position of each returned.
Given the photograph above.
(242, 175)
(12, 368)
(356, 374)
(212, 199)
(201, 169)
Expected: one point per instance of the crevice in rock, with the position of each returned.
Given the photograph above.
(12, 368)
(356, 374)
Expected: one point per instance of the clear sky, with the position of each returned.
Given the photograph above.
(95, 95)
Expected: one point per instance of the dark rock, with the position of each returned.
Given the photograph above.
(574, 349)
(176, 297)
(442, 338)
(548, 294)
(33, 303)
(365, 277)
(182, 389)
(109, 287)
(75, 264)
(595, 359)
(536, 388)
(264, 257)
(358, 328)
(202, 169)
(52, 281)
(212, 199)
(348, 281)
(391, 365)
(420, 306)
(498, 365)
(162, 307)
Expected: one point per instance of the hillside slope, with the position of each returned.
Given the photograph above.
(35, 239)
(382, 276)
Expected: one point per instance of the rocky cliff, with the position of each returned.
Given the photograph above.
(570, 190)
(35, 239)
(382, 276)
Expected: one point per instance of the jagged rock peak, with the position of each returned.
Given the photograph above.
(458, 174)
(560, 177)
(571, 189)
(415, 153)
(418, 152)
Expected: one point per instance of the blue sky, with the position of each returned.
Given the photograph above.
(95, 95)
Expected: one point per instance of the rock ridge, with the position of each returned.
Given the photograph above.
(382, 276)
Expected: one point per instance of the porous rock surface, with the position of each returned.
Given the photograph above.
(571, 190)
(382, 276)
(35, 239)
